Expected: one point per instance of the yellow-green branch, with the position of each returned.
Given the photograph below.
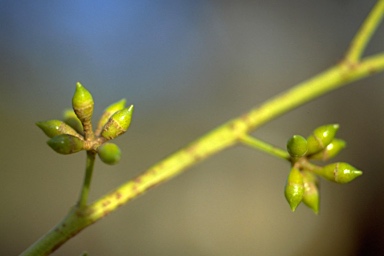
(365, 33)
(349, 70)
(229, 133)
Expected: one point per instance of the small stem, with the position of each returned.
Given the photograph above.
(363, 36)
(87, 179)
(310, 166)
(264, 146)
(88, 131)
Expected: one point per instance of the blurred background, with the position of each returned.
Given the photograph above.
(187, 66)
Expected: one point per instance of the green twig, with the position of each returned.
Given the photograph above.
(265, 147)
(363, 36)
(87, 179)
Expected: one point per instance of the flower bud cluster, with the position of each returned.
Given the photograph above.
(302, 183)
(75, 132)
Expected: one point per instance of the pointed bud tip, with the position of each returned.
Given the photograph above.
(119, 105)
(82, 103)
(294, 202)
(357, 173)
(315, 211)
(131, 108)
(118, 123)
(123, 117)
(347, 173)
(42, 126)
(81, 94)
(122, 101)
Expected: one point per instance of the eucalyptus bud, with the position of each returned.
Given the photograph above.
(311, 196)
(118, 123)
(109, 153)
(72, 120)
(66, 144)
(82, 103)
(330, 151)
(339, 172)
(53, 128)
(297, 146)
(294, 189)
(321, 137)
(108, 112)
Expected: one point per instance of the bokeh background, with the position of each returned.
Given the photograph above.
(187, 66)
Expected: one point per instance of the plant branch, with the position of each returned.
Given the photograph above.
(265, 147)
(364, 35)
(87, 179)
(221, 138)
(229, 133)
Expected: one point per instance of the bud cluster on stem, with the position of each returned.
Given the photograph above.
(302, 183)
(75, 133)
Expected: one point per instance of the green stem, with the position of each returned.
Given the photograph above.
(263, 146)
(365, 33)
(87, 179)
(310, 166)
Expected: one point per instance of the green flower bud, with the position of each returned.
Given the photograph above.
(339, 172)
(321, 137)
(53, 128)
(297, 146)
(311, 196)
(109, 153)
(108, 112)
(118, 123)
(72, 120)
(66, 144)
(82, 103)
(330, 151)
(294, 189)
